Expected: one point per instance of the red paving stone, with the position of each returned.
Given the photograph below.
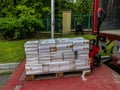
(102, 78)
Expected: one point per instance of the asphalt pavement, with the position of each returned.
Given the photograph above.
(3, 80)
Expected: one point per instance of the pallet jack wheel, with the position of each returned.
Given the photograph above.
(97, 60)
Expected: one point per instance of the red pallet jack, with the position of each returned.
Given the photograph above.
(94, 55)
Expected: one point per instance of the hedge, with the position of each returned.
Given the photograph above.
(23, 27)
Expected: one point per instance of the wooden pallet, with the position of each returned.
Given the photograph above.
(55, 75)
(30, 77)
(59, 74)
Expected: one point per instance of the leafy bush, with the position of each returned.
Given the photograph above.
(24, 27)
(7, 27)
(29, 25)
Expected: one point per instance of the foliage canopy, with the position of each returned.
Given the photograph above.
(19, 17)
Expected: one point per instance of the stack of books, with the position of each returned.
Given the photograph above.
(56, 55)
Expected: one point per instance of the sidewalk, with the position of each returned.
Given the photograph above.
(5, 72)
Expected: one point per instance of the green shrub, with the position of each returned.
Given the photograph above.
(29, 25)
(23, 27)
(7, 28)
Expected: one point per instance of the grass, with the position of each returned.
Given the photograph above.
(87, 36)
(13, 51)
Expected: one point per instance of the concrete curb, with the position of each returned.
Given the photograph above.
(8, 66)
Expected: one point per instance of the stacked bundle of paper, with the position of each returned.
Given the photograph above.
(69, 56)
(82, 60)
(33, 68)
(64, 45)
(31, 51)
(81, 49)
(47, 46)
(82, 64)
(56, 55)
(81, 45)
(54, 66)
(44, 58)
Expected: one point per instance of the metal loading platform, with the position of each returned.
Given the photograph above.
(101, 78)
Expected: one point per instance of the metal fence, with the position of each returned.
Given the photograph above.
(85, 20)
(47, 25)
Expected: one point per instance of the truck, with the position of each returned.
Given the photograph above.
(110, 28)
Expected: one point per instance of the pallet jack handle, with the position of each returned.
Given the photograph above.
(101, 17)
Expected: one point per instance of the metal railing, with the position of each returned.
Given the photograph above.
(85, 20)
(47, 25)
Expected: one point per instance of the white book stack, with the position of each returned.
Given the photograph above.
(46, 46)
(64, 45)
(31, 51)
(56, 55)
(54, 66)
(81, 45)
(33, 69)
(82, 49)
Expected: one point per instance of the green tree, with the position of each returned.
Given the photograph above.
(24, 16)
(7, 28)
(83, 7)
